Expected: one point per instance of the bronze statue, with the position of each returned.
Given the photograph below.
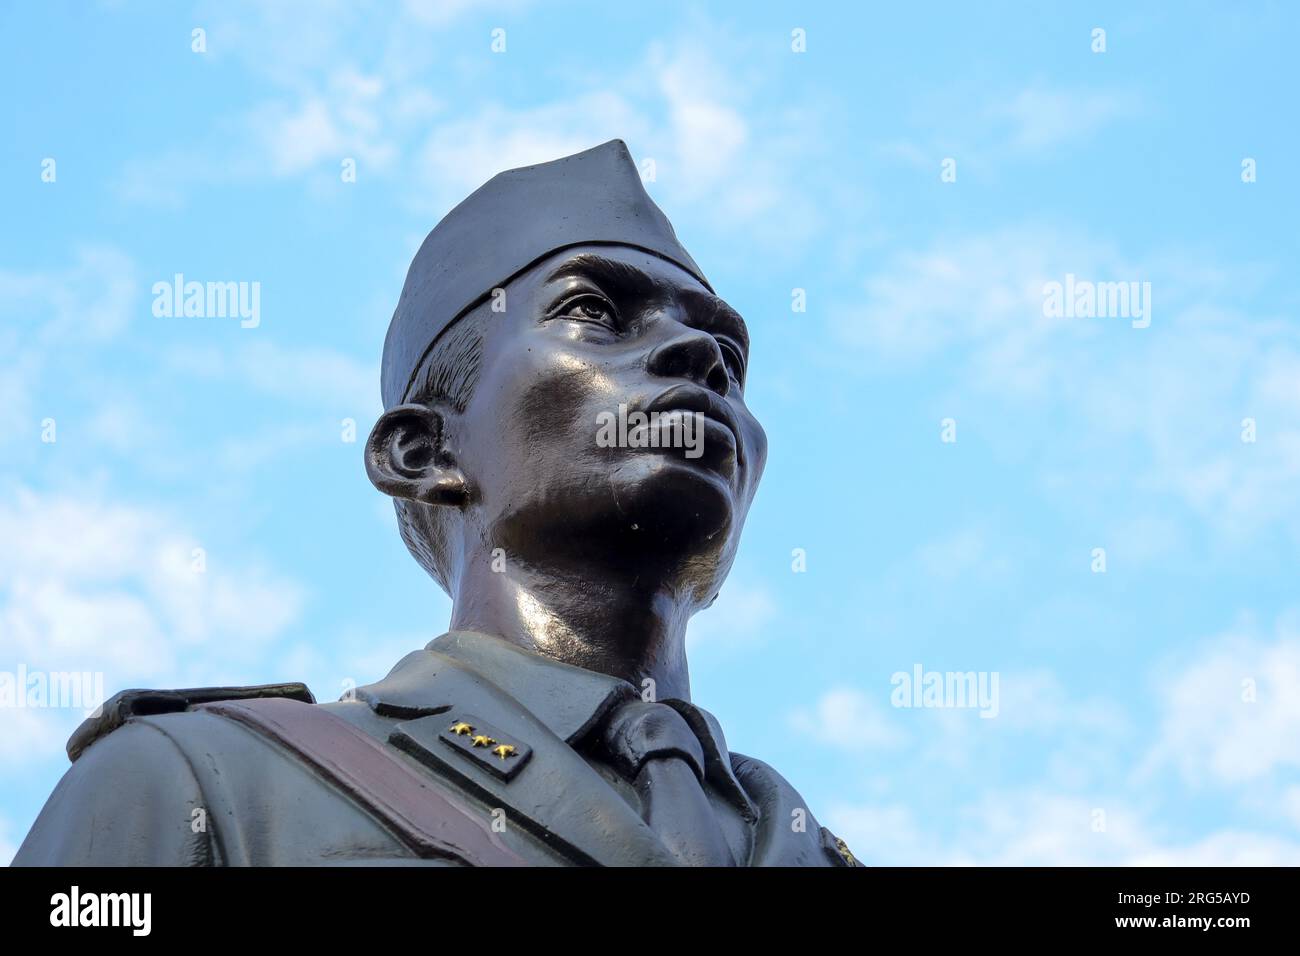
(552, 725)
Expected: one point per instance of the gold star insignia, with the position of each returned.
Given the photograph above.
(461, 728)
(483, 740)
(504, 751)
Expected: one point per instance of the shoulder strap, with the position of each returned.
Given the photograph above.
(124, 705)
(421, 815)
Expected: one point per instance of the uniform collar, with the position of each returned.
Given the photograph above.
(568, 700)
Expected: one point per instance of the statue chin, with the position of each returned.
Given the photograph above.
(677, 506)
(648, 511)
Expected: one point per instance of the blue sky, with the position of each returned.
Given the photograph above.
(1150, 713)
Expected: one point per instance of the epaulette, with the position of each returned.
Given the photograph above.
(838, 850)
(126, 704)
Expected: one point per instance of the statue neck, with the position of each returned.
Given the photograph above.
(608, 623)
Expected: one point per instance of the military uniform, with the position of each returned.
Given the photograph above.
(470, 752)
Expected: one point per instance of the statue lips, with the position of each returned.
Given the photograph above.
(693, 398)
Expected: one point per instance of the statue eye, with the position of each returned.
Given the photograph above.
(735, 362)
(589, 307)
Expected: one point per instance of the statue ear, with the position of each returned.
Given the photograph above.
(406, 457)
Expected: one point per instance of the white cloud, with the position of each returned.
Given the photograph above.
(25, 732)
(881, 834)
(964, 554)
(164, 178)
(460, 155)
(315, 376)
(701, 120)
(8, 848)
(1163, 406)
(739, 616)
(981, 294)
(1290, 805)
(1225, 848)
(89, 586)
(73, 315)
(1028, 704)
(439, 12)
(845, 717)
(19, 418)
(1038, 701)
(318, 107)
(1041, 118)
(1100, 795)
(1038, 828)
(1211, 731)
(85, 303)
(305, 134)
(104, 586)
(354, 115)
(984, 133)
(709, 134)
(362, 658)
(698, 110)
(57, 312)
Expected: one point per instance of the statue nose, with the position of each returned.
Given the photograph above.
(691, 355)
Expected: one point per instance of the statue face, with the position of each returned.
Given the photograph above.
(562, 469)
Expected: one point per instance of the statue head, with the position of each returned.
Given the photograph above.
(564, 393)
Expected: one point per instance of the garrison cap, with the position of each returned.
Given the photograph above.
(514, 220)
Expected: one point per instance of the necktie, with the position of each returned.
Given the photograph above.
(653, 747)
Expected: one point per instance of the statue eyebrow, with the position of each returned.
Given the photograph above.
(618, 274)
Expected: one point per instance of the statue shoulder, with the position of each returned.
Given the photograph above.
(777, 796)
(127, 704)
(130, 798)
